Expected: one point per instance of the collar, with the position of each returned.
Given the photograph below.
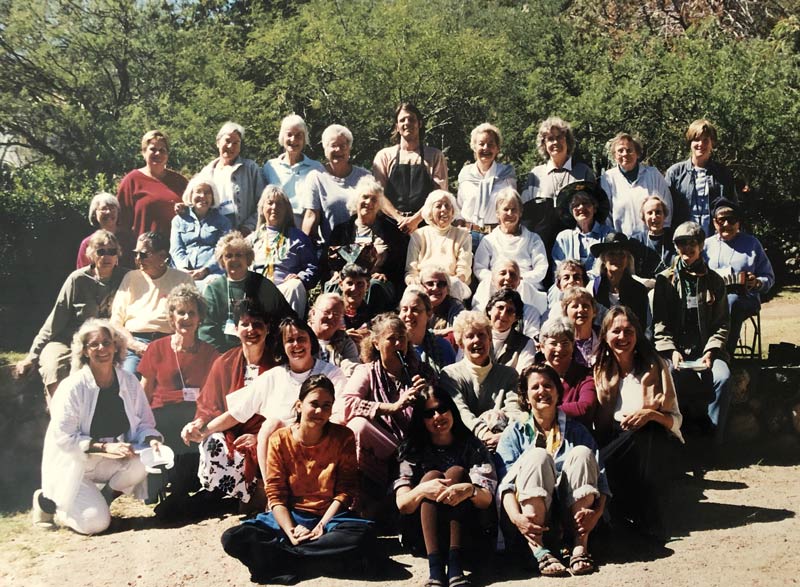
(550, 166)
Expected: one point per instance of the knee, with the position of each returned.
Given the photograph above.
(92, 520)
(534, 459)
(432, 475)
(359, 426)
(579, 454)
(456, 473)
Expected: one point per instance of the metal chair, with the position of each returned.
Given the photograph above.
(749, 344)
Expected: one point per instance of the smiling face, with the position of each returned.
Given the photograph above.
(555, 144)
(557, 352)
(294, 140)
(615, 261)
(251, 331)
(202, 198)
(354, 290)
(153, 263)
(103, 259)
(274, 211)
(155, 154)
(99, 349)
(502, 316)
(688, 249)
(701, 148)
(408, 126)
(436, 286)
(509, 214)
(581, 312)
(316, 407)
(234, 262)
(437, 424)
(229, 145)
(625, 154)
(570, 277)
(583, 209)
(413, 314)
(506, 275)
(337, 151)
(486, 149)
(727, 225)
(107, 216)
(542, 395)
(653, 212)
(442, 212)
(326, 318)
(621, 337)
(391, 341)
(297, 346)
(368, 207)
(476, 343)
(185, 319)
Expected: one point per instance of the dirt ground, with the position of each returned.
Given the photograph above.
(737, 526)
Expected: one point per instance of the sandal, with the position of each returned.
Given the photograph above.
(549, 565)
(578, 559)
(434, 583)
(459, 581)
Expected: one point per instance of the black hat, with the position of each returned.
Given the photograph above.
(613, 240)
(723, 203)
(591, 189)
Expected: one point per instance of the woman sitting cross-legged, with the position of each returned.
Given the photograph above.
(548, 467)
(313, 479)
(445, 475)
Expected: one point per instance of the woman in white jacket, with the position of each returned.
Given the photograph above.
(99, 418)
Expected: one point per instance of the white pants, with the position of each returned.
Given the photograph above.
(89, 513)
(537, 476)
(295, 293)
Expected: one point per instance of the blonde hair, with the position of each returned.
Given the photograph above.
(485, 128)
(234, 240)
(154, 135)
(468, 320)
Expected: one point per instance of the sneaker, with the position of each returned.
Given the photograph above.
(42, 512)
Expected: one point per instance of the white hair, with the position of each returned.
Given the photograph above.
(100, 199)
(201, 179)
(366, 185)
(289, 122)
(435, 196)
(335, 131)
(230, 127)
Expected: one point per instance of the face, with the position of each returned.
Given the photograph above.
(368, 205)
(508, 213)
(580, 311)
(653, 213)
(391, 341)
(294, 140)
(475, 341)
(202, 198)
(229, 145)
(506, 276)
(583, 208)
(615, 260)
(702, 147)
(297, 345)
(326, 318)
(337, 151)
(621, 337)
(542, 393)
(354, 290)
(274, 211)
(107, 215)
(150, 261)
(689, 250)
(557, 351)
(442, 213)
(315, 409)
(502, 316)
(555, 144)
(625, 154)
(99, 348)
(727, 225)
(105, 257)
(438, 418)
(155, 153)
(570, 277)
(437, 287)
(185, 318)
(486, 148)
(252, 331)
(234, 261)
(412, 313)
(408, 125)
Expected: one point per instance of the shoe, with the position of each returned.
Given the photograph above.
(42, 511)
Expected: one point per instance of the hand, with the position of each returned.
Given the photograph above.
(379, 277)
(455, 494)
(708, 359)
(585, 520)
(191, 432)
(491, 439)
(198, 274)
(156, 445)
(299, 534)
(317, 531)
(245, 441)
(119, 448)
(527, 527)
(407, 397)
(409, 224)
(180, 208)
(357, 334)
(433, 488)
(677, 359)
(752, 282)
(291, 276)
(637, 419)
(24, 367)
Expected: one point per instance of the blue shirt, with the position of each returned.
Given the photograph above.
(291, 178)
(571, 243)
(192, 240)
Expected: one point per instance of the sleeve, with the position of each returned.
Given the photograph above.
(276, 485)
(406, 475)
(83, 259)
(177, 247)
(585, 402)
(146, 422)
(680, 203)
(511, 397)
(416, 247)
(482, 262)
(66, 409)
(256, 183)
(119, 314)
(210, 403)
(719, 323)
(56, 323)
(559, 248)
(225, 226)
(346, 485)
(663, 300)
(380, 167)
(531, 188)
(211, 330)
(353, 400)
(508, 451)
(125, 198)
(463, 252)
(527, 356)
(763, 268)
(246, 402)
(453, 387)
(439, 170)
(148, 366)
(309, 197)
(661, 189)
(538, 260)
(308, 259)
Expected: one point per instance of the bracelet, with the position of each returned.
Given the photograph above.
(474, 491)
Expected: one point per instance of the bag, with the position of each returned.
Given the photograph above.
(364, 255)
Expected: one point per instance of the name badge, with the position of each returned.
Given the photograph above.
(691, 302)
(230, 327)
(190, 394)
(363, 240)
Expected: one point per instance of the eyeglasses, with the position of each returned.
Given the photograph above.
(726, 220)
(107, 252)
(141, 254)
(100, 343)
(435, 284)
(440, 409)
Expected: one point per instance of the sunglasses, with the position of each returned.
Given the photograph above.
(107, 252)
(440, 409)
(141, 254)
(433, 284)
(726, 219)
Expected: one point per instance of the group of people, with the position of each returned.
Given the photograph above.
(528, 349)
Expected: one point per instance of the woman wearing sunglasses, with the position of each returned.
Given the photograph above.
(445, 475)
(87, 293)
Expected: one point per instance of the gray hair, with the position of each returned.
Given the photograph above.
(435, 196)
(323, 297)
(291, 121)
(88, 328)
(419, 293)
(429, 267)
(367, 185)
(276, 192)
(624, 136)
(482, 128)
(236, 241)
(562, 126)
(557, 327)
(201, 179)
(649, 199)
(99, 237)
(100, 199)
(231, 127)
(508, 193)
(335, 131)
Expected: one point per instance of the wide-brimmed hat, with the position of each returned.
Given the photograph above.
(612, 241)
(591, 189)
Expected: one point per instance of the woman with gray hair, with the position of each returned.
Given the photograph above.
(98, 420)
(283, 252)
(239, 180)
(290, 169)
(556, 145)
(87, 293)
(615, 284)
(441, 241)
(327, 191)
(104, 214)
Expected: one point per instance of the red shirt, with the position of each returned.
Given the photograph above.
(148, 204)
(160, 365)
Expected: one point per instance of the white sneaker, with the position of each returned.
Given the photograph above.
(41, 519)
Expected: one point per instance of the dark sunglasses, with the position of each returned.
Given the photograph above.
(437, 409)
(726, 219)
(432, 284)
(107, 252)
(141, 254)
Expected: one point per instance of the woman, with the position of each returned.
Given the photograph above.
(274, 394)
(506, 275)
(98, 420)
(326, 192)
(235, 255)
(511, 240)
(656, 251)
(411, 170)
(415, 311)
(372, 238)
(580, 308)
(630, 183)
(569, 273)
(140, 306)
(377, 400)
(484, 391)
(228, 460)
(147, 196)
(435, 282)
(283, 253)
(446, 474)
(443, 242)
(583, 207)
(480, 183)
(690, 323)
(614, 284)
(509, 346)
(87, 293)
(290, 169)
(697, 183)
(547, 459)
(637, 422)
(197, 229)
(174, 370)
(325, 319)
(556, 145)
(313, 480)
(579, 398)
(742, 262)
(238, 180)
(104, 214)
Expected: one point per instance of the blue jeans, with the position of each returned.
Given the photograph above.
(131, 362)
(716, 379)
(741, 307)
